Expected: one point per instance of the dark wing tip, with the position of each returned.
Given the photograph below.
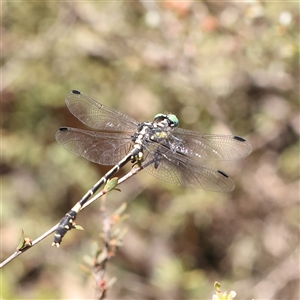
(247, 149)
(239, 138)
(63, 129)
(223, 173)
(228, 184)
(76, 92)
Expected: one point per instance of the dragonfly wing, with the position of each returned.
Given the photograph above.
(210, 146)
(181, 170)
(99, 147)
(96, 115)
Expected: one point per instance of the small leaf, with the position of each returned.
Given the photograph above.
(21, 241)
(85, 269)
(102, 256)
(78, 227)
(95, 249)
(89, 260)
(123, 218)
(217, 286)
(121, 234)
(111, 184)
(120, 210)
(119, 243)
(111, 282)
(24, 242)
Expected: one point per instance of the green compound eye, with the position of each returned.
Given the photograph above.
(173, 120)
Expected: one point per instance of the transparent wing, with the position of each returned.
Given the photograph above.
(180, 170)
(98, 116)
(209, 146)
(99, 147)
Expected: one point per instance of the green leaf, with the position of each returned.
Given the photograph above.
(78, 227)
(89, 260)
(120, 209)
(85, 269)
(111, 184)
(102, 256)
(24, 241)
(111, 282)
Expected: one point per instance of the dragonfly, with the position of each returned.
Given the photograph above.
(170, 153)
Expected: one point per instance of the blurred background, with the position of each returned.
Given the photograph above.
(221, 67)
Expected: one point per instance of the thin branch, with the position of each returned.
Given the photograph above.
(100, 269)
(18, 252)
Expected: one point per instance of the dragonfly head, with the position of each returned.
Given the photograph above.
(166, 120)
